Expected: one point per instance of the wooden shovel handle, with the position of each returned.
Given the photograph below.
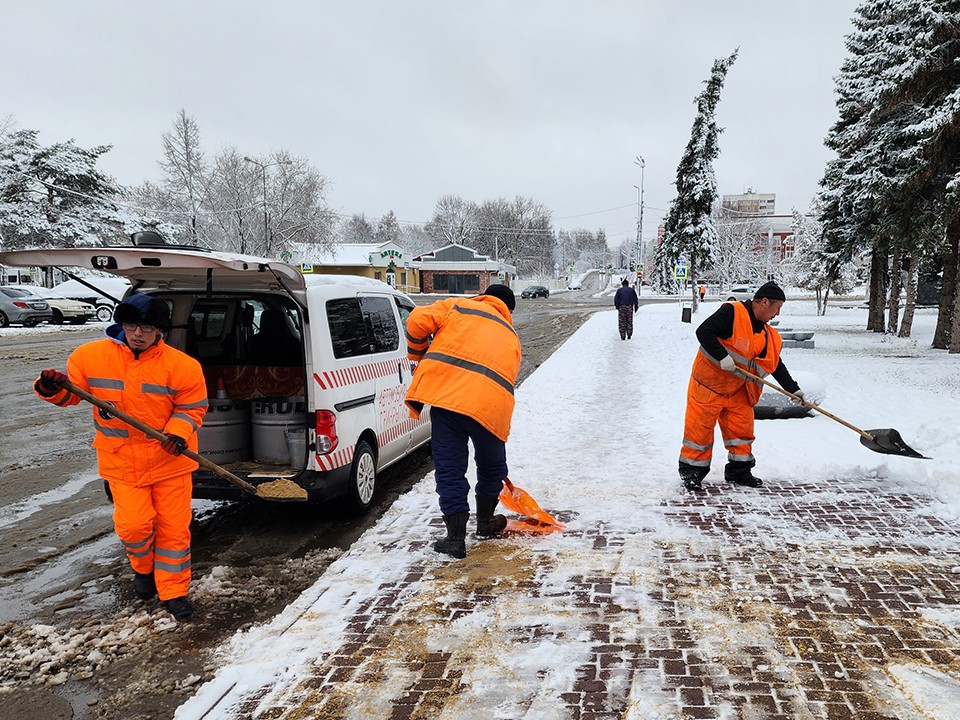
(157, 435)
(799, 399)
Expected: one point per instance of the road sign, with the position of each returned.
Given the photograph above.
(680, 272)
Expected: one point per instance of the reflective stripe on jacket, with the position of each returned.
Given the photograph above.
(471, 365)
(163, 388)
(746, 348)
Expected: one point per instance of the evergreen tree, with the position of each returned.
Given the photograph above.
(895, 176)
(689, 230)
(55, 196)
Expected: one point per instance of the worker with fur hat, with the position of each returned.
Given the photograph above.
(736, 337)
(150, 482)
(466, 374)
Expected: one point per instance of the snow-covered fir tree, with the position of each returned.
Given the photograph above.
(893, 187)
(689, 231)
(55, 196)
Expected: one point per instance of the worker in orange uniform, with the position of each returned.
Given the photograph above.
(466, 374)
(134, 370)
(735, 337)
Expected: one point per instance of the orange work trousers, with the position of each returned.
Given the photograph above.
(705, 409)
(153, 523)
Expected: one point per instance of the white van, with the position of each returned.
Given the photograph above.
(306, 374)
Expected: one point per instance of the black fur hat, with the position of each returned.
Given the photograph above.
(138, 308)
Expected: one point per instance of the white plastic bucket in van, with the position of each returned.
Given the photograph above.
(296, 445)
(224, 436)
(270, 417)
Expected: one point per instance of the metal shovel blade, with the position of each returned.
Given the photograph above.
(889, 442)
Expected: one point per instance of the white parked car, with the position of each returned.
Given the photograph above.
(742, 292)
(102, 300)
(64, 310)
(306, 374)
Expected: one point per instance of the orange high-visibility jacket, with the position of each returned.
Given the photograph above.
(472, 363)
(745, 347)
(163, 388)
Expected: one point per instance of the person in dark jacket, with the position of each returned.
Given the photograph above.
(627, 303)
(736, 337)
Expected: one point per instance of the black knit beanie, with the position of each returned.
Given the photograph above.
(771, 291)
(503, 293)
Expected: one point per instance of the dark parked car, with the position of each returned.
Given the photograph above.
(535, 291)
(20, 308)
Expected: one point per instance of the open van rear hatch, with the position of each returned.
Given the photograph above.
(169, 268)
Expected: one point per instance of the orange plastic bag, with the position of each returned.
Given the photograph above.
(519, 501)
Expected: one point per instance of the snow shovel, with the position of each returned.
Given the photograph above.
(519, 501)
(881, 440)
(279, 490)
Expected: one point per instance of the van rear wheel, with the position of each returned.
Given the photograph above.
(363, 477)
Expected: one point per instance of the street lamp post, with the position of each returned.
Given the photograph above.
(639, 161)
(263, 175)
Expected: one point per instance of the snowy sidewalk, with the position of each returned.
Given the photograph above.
(832, 592)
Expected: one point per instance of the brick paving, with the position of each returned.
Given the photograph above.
(791, 602)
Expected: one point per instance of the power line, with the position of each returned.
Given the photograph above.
(257, 206)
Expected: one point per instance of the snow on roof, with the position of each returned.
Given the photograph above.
(343, 253)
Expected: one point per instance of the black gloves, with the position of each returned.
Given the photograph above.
(174, 444)
(50, 382)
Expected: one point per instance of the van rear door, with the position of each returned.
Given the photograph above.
(168, 268)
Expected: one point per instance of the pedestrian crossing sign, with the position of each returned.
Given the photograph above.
(680, 272)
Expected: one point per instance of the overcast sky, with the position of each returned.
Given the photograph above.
(398, 103)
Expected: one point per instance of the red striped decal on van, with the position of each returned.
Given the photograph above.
(349, 376)
(396, 431)
(338, 458)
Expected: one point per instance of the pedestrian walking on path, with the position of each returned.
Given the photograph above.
(134, 370)
(735, 336)
(627, 303)
(466, 374)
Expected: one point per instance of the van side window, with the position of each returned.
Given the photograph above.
(348, 331)
(382, 323)
(405, 307)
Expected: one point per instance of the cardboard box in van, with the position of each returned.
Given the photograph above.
(306, 374)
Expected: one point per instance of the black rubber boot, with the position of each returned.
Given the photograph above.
(179, 607)
(454, 543)
(488, 524)
(144, 585)
(692, 476)
(739, 474)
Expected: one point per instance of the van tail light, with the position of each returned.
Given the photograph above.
(326, 432)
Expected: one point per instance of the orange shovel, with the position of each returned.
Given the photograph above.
(519, 501)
